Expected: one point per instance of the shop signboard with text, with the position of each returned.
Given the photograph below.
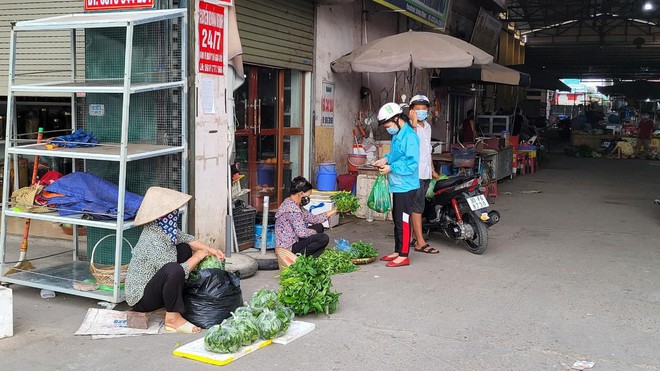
(211, 30)
(96, 5)
(432, 13)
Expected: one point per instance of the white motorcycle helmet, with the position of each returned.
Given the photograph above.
(388, 111)
(420, 99)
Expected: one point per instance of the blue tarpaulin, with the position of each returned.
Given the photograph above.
(84, 193)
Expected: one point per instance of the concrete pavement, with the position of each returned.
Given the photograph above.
(571, 273)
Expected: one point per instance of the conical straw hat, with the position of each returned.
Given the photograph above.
(159, 202)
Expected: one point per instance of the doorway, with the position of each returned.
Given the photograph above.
(269, 132)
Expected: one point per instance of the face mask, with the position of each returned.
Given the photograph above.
(393, 130)
(422, 114)
(304, 200)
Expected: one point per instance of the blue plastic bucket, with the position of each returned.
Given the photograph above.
(326, 181)
(328, 167)
(446, 170)
(266, 175)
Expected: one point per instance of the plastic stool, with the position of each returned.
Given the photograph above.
(491, 190)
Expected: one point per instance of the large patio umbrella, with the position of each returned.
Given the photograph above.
(402, 52)
(638, 90)
(541, 79)
(489, 73)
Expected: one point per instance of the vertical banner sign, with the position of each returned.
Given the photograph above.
(328, 104)
(486, 33)
(211, 38)
(92, 5)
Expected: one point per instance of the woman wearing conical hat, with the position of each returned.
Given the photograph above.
(162, 259)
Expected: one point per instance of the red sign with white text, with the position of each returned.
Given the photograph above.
(92, 5)
(211, 38)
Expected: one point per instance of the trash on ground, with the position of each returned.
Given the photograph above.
(529, 192)
(582, 365)
(47, 294)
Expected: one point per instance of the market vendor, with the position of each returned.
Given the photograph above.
(468, 130)
(162, 259)
(296, 228)
(402, 167)
(644, 135)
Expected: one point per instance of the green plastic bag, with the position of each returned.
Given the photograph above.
(429, 192)
(379, 198)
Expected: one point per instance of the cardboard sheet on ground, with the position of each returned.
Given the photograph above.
(195, 350)
(105, 323)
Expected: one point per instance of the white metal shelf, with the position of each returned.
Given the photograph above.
(103, 152)
(93, 86)
(56, 218)
(99, 20)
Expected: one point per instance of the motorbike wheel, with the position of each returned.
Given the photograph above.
(478, 243)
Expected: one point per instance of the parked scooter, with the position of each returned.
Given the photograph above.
(460, 210)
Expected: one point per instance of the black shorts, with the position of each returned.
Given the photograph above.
(420, 196)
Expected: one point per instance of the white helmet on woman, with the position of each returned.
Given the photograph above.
(420, 99)
(388, 111)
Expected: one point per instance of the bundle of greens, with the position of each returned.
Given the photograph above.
(246, 325)
(305, 287)
(345, 202)
(273, 323)
(206, 263)
(333, 262)
(222, 339)
(263, 299)
(363, 250)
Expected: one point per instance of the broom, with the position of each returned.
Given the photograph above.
(23, 264)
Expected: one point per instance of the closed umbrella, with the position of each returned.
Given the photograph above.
(411, 49)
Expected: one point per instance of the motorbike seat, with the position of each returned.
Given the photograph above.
(440, 184)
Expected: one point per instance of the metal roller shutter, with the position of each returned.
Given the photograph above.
(277, 33)
(51, 46)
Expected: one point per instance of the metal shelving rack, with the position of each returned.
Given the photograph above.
(168, 78)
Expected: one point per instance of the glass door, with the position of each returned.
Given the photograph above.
(269, 130)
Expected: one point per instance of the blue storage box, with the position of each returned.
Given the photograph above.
(270, 236)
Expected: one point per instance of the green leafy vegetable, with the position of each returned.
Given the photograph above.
(246, 326)
(345, 202)
(362, 250)
(222, 339)
(206, 263)
(305, 287)
(270, 324)
(263, 299)
(334, 261)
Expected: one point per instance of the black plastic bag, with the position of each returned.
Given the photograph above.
(211, 297)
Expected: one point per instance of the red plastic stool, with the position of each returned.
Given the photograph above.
(491, 190)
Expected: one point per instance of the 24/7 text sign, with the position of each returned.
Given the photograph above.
(91, 5)
(211, 38)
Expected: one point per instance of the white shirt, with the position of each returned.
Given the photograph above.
(424, 134)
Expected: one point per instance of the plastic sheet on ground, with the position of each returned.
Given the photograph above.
(105, 323)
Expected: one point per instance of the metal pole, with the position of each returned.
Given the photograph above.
(264, 225)
(229, 225)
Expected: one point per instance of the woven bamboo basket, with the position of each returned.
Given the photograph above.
(285, 257)
(105, 275)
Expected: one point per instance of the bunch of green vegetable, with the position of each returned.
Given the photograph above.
(222, 339)
(333, 262)
(273, 323)
(206, 263)
(363, 250)
(246, 326)
(305, 287)
(263, 299)
(345, 202)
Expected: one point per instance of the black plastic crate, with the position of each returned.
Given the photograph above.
(244, 224)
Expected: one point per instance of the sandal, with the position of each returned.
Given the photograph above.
(186, 328)
(413, 242)
(427, 249)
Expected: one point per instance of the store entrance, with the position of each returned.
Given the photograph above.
(269, 132)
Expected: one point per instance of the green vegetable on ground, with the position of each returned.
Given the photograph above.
(333, 262)
(246, 326)
(363, 250)
(263, 299)
(270, 324)
(345, 202)
(222, 339)
(206, 263)
(305, 287)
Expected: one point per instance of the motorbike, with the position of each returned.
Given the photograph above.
(459, 209)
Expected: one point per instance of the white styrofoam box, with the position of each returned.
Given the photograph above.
(6, 313)
(364, 185)
(327, 206)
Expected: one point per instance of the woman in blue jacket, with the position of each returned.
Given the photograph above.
(401, 166)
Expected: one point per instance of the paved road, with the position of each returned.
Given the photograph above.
(571, 273)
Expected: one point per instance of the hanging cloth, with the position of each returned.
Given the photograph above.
(170, 224)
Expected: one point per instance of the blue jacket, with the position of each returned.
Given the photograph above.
(404, 161)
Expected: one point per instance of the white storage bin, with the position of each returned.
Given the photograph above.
(327, 206)
(6, 313)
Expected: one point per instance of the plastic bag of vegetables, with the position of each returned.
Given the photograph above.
(222, 339)
(246, 326)
(273, 323)
(263, 299)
